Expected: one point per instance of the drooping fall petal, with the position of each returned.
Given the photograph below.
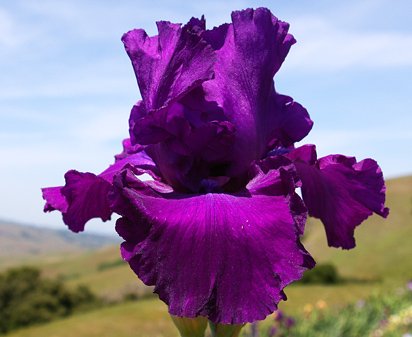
(340, 191)
(223, 256)
(86, 196)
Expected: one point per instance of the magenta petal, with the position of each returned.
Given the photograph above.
(340, 191)
(55, 200)
(224, 256)
(170, 64)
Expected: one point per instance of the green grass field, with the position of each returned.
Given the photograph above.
(382, 260)
(145, 318)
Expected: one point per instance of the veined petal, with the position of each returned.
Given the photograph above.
(170, 64)
(249, 53)
(223, 256)
(340, 191)
(232, 119)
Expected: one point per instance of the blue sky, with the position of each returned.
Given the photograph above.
(67, 86)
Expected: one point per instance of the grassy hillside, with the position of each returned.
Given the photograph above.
(382, 260)
(146, 318)
(23, 242)
(104, 272)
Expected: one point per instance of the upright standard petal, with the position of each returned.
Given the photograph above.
(223, 256)
(340, 191)
(170, 64)
(184, 141)
(249, 53)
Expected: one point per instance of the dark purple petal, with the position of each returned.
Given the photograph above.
(150, 128)
(292, 122)
(304, 154)
(86, 196)
(277, 181)
(223, 256)
(170, 64)
(132, 234)
(140, 161)
(234, 118)
(249, 53)
(128, 149)
(340, 191)
(278, 176)
(187, 143)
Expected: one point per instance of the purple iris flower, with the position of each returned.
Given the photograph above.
(217, 229)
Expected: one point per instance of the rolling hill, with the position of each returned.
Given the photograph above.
(23, 242)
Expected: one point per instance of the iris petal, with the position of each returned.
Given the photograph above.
(249, 53)
(86, 196)
(170, 64)
(55, 200)
(224, 256)
(186, 142)
(340, 191)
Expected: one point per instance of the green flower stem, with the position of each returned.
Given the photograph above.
(225, 330)
(190, 327)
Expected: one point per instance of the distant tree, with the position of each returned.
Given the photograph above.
(322, 274)
(27, 298)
